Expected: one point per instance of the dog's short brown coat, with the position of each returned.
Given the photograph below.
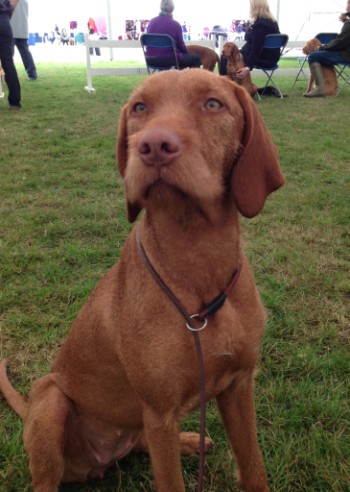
(193, 151)
(329, 74)
(209, 58)
(234, 62)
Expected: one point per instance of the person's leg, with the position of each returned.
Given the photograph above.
(27, 58)
(326, 58)
(317, 75)
(161, 61)
(316, 60)
(6, 57)
(223, 65)
(190, 60)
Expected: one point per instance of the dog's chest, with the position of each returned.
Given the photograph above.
(172, 373)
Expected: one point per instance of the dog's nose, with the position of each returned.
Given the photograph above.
(159, 147)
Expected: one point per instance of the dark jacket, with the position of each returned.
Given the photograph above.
(252, 51)
(6, 8)
(341, 43)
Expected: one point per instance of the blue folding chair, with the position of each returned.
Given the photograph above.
(324, 38)
(159, 41)
(273, 41)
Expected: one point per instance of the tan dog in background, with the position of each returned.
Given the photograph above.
(209, 57)
(329, 74)
(193, 151)
(234, 63)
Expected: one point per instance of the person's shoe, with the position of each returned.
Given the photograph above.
(33, 78)
(14, 106)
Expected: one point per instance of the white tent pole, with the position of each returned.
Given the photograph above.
(109, 28)
(278, 11)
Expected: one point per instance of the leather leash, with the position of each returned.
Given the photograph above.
(214, 306)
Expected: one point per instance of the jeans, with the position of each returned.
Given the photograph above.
(326, 58)
(6, 57)
(27, 58)
(97, 51)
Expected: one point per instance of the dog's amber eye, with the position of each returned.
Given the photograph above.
(213, 104)
(139, 107)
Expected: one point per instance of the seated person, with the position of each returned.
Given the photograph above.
(334, 53)
(263, 23)
(64, 37)
(165, 24)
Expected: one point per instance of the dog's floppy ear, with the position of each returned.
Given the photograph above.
(236, 53)
(122, 142)
(257, 172)
(133, 209)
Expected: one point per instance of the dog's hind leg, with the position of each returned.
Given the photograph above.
(44, 434)
(236, 405)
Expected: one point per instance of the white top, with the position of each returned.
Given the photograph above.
(19, 20)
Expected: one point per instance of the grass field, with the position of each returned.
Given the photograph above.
(62, 224)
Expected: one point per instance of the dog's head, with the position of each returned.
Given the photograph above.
(197, 138)
(231, 50)
(311, 46)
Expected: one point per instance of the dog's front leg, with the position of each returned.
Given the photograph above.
(162, 435)
(236, 405)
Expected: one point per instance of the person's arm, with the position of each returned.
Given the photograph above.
(342, 41)
(344, 17)
(258, 34)
(14, 3)
(179, 40)
(257, 42)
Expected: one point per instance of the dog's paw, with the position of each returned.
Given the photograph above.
(190, 443)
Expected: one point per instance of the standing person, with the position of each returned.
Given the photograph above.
(6, 53)
(93, 32)
(165, 24)
(334, 53)
(65, 36)
(19, 24)
(263, 23)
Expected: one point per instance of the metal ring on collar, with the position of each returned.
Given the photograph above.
(200, 328)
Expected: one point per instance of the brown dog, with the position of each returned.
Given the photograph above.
(209, 58)
(234, 63)
(329, 74)
(2, 80)
(193, 151)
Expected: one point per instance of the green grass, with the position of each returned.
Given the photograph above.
(62, 223)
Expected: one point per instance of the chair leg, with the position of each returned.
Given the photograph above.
(343, 74)
(270, 80)
(268, 75)
(301, 62)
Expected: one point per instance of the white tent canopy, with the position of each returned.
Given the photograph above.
(299, 19)
(302, 20)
